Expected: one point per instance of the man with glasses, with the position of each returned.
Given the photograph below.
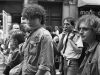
(89, 29)
(70, 46)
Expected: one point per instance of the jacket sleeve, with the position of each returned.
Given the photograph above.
(99, 59)
(46, 59)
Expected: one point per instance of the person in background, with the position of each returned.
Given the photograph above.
(24, 27)
(56, 30)
(56, 33)
(14, 58)
(15, 26)
(38, 47)
(70, 46)
(89, 29)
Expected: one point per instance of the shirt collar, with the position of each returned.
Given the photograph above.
(33, 30)
(93, 47)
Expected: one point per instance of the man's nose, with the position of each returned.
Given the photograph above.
(81, 31)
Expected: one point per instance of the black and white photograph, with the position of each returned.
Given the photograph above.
(49, 37)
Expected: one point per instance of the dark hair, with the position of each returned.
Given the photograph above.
(49, 28)
(70, 20)
(92, 21)
(34, 11)
(60, 29)
(18, 35)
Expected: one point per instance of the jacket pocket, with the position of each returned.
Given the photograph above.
(33, 48)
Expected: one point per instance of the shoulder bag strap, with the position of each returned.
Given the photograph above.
(66, 43)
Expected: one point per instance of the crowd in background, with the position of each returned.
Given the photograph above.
(32, 48)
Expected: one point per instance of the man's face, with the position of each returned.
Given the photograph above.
(64, 28)
(13, 43)
(16, 27)
(67, 26)
(56, 27)
(86, 32)
(67, 23)
(26, 27)
(32, 23)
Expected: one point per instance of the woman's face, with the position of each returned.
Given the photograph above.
(86, 32)
(13, 44)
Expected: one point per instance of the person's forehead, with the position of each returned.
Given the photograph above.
(83, 24)
(64, 25)
(66, 21)
(15, 26)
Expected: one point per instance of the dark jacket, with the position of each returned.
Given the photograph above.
(90, 65)
(16, 59)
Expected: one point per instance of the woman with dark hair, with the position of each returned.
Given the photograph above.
(89, 27)
(16, 38)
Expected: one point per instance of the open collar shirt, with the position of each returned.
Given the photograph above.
(74, 46)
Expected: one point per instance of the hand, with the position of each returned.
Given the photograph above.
(58, 73)
(69, 29)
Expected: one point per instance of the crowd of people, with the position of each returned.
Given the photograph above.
(32, 48)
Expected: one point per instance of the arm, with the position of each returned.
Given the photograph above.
(46, 57)
(41, 72)
(60, 44)
(99, 64)
(98, 59)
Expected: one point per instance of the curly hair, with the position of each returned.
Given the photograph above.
(34, 11)
(17, 35)
(92, 21)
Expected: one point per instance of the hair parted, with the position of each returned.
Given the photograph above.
(34, 11)
(17, 35)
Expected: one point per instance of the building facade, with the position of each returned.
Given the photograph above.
(13, 7)
(88, 7)
(56, 10)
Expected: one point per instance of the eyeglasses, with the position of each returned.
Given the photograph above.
(67, 24)
(84, 29)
